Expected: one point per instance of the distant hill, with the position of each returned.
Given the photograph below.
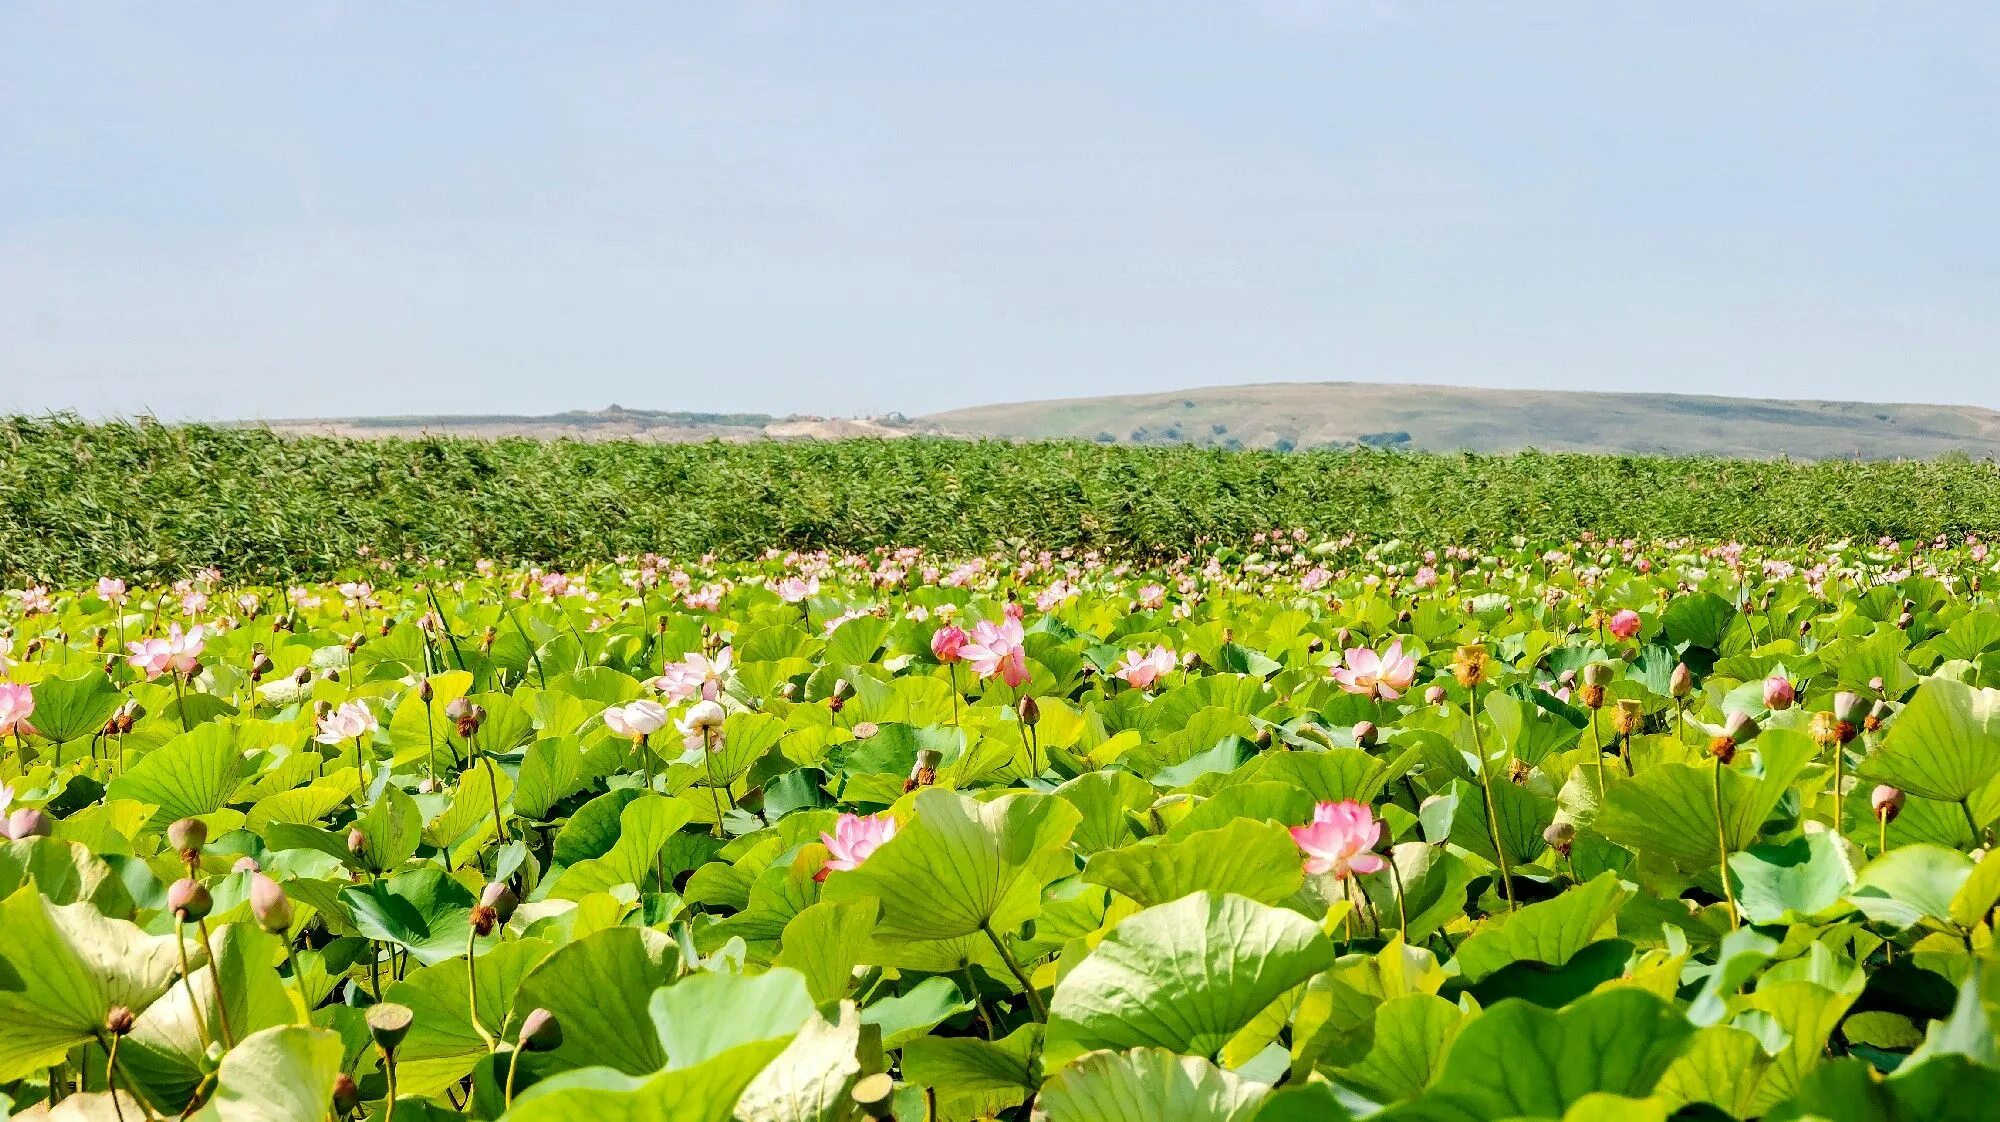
(1297, 415)
(1446, 419)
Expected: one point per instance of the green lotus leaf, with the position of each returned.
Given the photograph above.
(1248, 858)
(1106, 800)
(422, 910)
(704, 1015)
(599, 987)
(975, 1078)
(1518, 1060)
(960, 866)
(1148, 1083)
(281, 1074)
(906, 1017)
(443, 1046)
(189, 776)
(164, 1052)
(1700, 619)
(1945, 744)
(62, 968)
(1412, 1033)
(1184, 976)
(1668, 810)
(1911, 883)
(64, 872)
(1794, 883)
(69, 709)
(1550, 932)
(825, 942)
(644, 827)
(391, 829)
(810, 1079)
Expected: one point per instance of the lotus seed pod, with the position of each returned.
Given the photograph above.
(1560, 835)
(189, 901)
(540, 1032)
(187, 836)
(28, 822)
(457, 709)
(1876, 685)
(1887, 801)
(1597, 674)
(389, 1023)
(269, 904)
(1850, 707)
(1434, 695)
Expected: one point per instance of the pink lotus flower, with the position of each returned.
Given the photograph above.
(111, 590)
(1339, 840)
(179, 652)
(794, 590)
(351, 721)
(1385, 676)
(853, 839)
(1140, 671)
(948, 643)
(996, 649)
(1625, 625)
(707, 599)
(695, 674)
(1152, 597)
(16, 702)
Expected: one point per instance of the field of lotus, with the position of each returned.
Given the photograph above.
(1294, 829)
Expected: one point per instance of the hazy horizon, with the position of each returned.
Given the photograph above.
(246, 212)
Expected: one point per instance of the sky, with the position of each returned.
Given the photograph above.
(237, 210)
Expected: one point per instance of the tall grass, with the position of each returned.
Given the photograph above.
(150, 500)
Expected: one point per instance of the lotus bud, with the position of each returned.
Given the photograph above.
(1031, 712)
(118, 1020)
(1850, 707)
(260, 665)
(28, 822)
(424, 690)
(303, 675)
(1876, 685)
(1560, 835)
(1681, 683)
(1741, 727)
(1434, 695)
(540, 1032)
(346, 1096)
(187, 836)
(269, 905)
(1779, 692)
(189, 901)
(1365, 733)
(245, 864)
(1887, 801)
(357, 842)
(705, 715)
(389, 1023)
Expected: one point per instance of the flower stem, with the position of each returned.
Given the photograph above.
(1492, 816)
(1040, 1010)
(1722, 846)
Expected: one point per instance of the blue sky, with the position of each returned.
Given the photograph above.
(316, 208)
